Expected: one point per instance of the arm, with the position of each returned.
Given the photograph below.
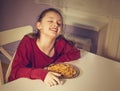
(23, 63)
(68, 52)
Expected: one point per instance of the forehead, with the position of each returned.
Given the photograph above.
(52, 14)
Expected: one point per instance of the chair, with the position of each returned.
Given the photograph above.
(10, 36)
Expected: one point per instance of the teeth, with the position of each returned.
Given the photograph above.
(54, 30)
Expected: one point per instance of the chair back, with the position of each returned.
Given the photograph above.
(9, 36)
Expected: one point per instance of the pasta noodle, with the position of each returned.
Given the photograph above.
(66, 70)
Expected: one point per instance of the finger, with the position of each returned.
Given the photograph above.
(56, 80)
(51, 83)
(56, 74)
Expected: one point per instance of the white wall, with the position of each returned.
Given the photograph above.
(96, 14)
(98, 7)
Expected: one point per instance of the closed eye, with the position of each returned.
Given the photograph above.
(59, 24)
(50, 21)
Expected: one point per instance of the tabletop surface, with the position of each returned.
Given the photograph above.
(96, 74)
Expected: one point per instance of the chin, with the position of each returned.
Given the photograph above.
(54, 34)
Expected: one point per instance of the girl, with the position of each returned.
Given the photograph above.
(38, 50)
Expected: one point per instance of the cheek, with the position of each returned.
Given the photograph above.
(60, 29)
(44, 27)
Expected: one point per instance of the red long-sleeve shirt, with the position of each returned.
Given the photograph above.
(29, 60)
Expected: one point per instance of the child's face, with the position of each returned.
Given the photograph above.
(50, 25)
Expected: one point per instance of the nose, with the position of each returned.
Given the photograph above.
(55, 24)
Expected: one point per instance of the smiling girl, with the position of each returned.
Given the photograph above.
(38, 50)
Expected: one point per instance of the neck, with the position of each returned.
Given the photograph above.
(46, 42)
(46, 45)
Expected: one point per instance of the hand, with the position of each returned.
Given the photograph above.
(52, 79)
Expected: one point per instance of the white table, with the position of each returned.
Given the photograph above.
(96, 74)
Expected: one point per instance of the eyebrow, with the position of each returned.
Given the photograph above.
(50, 17)
(53, 17)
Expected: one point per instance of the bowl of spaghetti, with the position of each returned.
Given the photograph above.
(65, 69)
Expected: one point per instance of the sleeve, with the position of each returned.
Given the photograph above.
(67, 52)
(23, 66)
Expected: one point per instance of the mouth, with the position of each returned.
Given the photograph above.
(54, 29)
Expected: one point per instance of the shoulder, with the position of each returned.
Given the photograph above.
(26, 40)
(61, 40)
(63, 45)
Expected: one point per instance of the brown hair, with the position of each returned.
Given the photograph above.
(37, 34)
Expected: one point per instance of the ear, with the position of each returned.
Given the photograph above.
(38, 25)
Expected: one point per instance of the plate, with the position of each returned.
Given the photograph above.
(65, 69)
